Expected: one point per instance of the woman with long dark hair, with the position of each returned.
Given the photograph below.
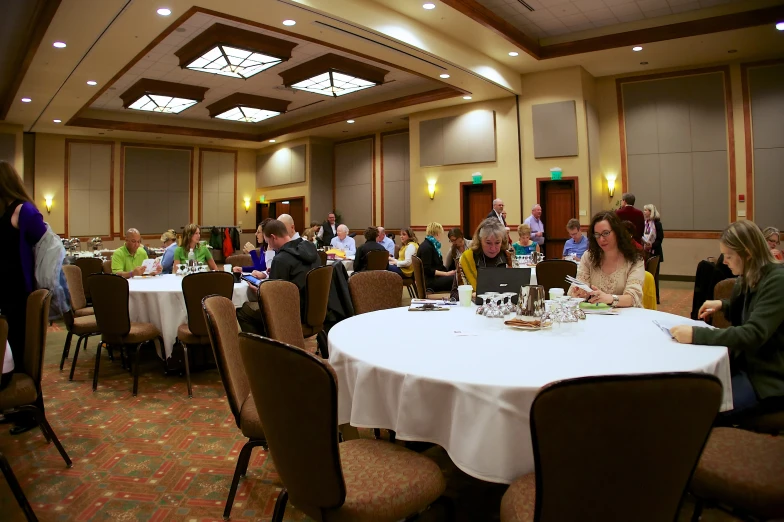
(21, 227)
(612, 266)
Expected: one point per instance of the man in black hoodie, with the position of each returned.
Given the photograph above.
(293, 260)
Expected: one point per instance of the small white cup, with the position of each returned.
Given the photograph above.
(227, 268)
(556, 293)
(464, 293)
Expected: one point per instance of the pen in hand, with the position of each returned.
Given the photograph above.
(706, 313)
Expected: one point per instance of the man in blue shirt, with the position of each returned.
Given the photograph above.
(578, 244)
(343, 241)
(384, 241)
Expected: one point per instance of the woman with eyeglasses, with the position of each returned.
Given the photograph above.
(772, 236)
(612, 266)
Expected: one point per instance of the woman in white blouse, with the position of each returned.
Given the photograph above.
(612, 266)
(408, 248)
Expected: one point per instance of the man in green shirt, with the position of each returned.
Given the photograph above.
(127, 260)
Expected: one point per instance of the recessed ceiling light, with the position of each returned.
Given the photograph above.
(513, 53)
(636, 48)
(26, 100)
(780, 26)
(57, 121)
(163, 11)
(92, 82)
(272, 141)
(429, 6)
(349, 121)
(445, 76)
(59, 45)
(466, 97)
(289, 22)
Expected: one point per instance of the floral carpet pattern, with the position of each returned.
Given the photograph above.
(163, 457)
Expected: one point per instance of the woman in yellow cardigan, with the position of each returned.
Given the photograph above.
(489, 248)
(408, 248)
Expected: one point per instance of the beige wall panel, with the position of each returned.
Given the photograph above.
(210, 171)
(644, 170)
(640, 117)
(99, 213)
(598, 194)
(711, 189)
(708, 123)
(226, 183)
(210, 211)
(89, 175)
(766, 85)
(677, 190)
(394, 204)
(320, 180)
(470, 138)
(353, 163)
(225, 209)
(432, 142)
(672, 115)
(79, 166)
(354, 204)
(554, 126)
(100, 166)
(298, 164)
(8, 148)
(79, 212)
(769, 187)
(682, 255)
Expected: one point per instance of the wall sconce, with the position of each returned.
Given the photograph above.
(431, 188)
(611, 185)
(48, 201)
(247, 204)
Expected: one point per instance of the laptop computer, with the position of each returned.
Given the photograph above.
(502, 280)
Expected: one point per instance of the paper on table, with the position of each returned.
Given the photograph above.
(150, 265)
(417, 301)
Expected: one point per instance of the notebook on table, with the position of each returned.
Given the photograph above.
(501, 280)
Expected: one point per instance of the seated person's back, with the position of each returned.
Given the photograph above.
(370, 244)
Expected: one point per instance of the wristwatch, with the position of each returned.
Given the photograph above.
(615, 300)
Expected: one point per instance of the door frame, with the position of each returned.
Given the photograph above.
(576, 180)
(464, 183)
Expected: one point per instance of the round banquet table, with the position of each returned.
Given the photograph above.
(159, 300)
(467, 382)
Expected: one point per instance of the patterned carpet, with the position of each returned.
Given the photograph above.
(162, 457)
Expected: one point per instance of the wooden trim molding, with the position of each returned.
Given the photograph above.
(66, 181)
(45, 11)
(691, 234)
(422, 228)
(123, 146)
(202, 150)
(748, 129)
(730, 121)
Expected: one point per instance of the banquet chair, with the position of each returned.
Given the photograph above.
(24, 392)
(222, 328)
(110, 300)
(323, 257)
(375, 290)
(279, 305)
(649, 292)
(16, 489)
(377, 260)
(552, 274)
(88, 265)
(360, 480)
(196, 287)
(107, 268)
(420, 282)
(722, 290)
(76, 322)
(240, 260)
(617, 447)
(652, 266)
(743, 471)
(317, 286)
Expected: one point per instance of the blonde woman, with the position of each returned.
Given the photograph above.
(524, 245)
(488, 249)
(169, 240)
(773, 236)
(191, 236)
(653, 234)
(756, 337)
(437, 278)
(408, 247)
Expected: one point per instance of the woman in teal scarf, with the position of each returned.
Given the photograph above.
(437, 278)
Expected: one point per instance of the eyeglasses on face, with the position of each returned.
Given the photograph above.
(606, 233)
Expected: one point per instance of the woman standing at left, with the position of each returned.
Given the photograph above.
(191, 236)
(21, 227)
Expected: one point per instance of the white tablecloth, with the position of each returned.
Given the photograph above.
(159, 300)
(471, 391)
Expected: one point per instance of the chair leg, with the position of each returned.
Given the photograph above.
(16, 489)
(187, 369)
(66, 349)
(280, 506)
(239, 471)
(323, 346)
(136, 369)
(76, 356)
(698, 505)
(97, 365)
(448, 505)
(46, 428)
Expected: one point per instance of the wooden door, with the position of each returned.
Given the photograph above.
(559, 204)
(477, 201)
(297, 212)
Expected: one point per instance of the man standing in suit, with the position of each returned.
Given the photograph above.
(498, 208)
(535, 222)
(328, 230)
(627, 212)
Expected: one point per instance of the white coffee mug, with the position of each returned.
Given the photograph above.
(556, 293)
(227, 268)
(464, 294)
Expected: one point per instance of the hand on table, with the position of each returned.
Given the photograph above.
(597, 296)
(682, 333)
(259, 275)
(708, 308)
(139, 270)
(236, 269)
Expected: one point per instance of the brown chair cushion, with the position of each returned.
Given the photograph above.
(20, 391)
(141, 332)
(84, 325)
(375, 290)
(184, 334)
(250, 424)
(385, 482)
(743, 469)
(771, 423)
(240, 260)
(519, 500)
(84, 311)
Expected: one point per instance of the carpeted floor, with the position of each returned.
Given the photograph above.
(161, 456)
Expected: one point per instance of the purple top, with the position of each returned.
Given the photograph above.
(31, 229)
(259, 263)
